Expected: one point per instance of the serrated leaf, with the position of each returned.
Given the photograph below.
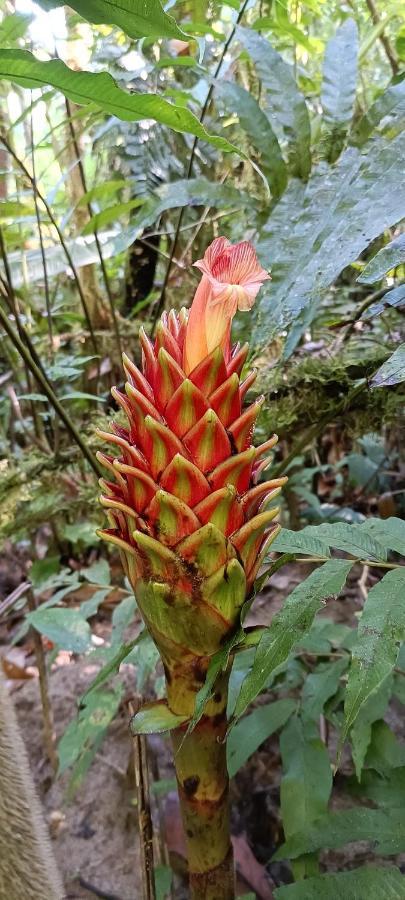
(306, 782)
(284, 104)
(349, 538)
(290, 625)
(299, 542)
(369, 881)
(84, 735)
(381, 627)
(392, 371)
(384, 828)
(21, 67)
(318, 229)
(390, 102)
(372, 710)
(155, 718)
(394, 299)
(385, 792)
(385, 751)
(320, 686)
(389, 257)
(253, 729)
(338, 91)
(259, 131)
(137, 18)
(65, 627)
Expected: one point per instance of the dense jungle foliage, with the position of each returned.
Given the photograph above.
(131, 135)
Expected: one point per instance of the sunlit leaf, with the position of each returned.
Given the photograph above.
(21, 67)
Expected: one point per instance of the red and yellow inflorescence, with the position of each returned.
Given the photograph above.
(186, 506)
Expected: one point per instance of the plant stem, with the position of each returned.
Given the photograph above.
(144, 816)
(96, 238)
(47, 716)
(203, 785)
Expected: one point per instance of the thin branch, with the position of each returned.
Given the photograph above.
(41, 242)
(47, 715)
(191, 160)
(97, 242)
(375, 15)
(60, 236)
(48, 390)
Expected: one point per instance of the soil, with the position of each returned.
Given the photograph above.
(95, 835)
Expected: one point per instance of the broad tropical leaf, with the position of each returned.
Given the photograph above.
(381, 628)
(339, 86)
(138, 18)
(290, 625)
(369, 881)
(284, 104)
(21, 67)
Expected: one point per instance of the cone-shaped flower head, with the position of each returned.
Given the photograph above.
(183, 496)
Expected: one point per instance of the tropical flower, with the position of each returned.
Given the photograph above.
(232, 277)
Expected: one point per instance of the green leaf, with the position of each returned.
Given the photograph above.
(306, 782)
(372, 710)
(122, 616)
(13, 209)
(98, 572)
(111, 667)
(14, 27)
(23, 68)
(381, 627)
(84, 735)
(385, 752)
(103, 191)
(299, 542)
(320, 686)
(110, 215)
(137, 18)
(65, 627)
(389, 532)
(394, 299)
(389, 257)
(259, 131)
(318, 229)
(155, 718)
(253, 729)
(284, 104)
(339, 85)
(349, 538)
(373, 883)
(291, 624)
(389, 791)
(90, 607)
(392, 371)
(82, 395)
(42, 569)
(163, 881)
(390, 102)
(384, 828)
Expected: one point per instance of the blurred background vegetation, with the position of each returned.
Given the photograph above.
(104, 207)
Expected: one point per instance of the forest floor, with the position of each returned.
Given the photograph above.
(95, 835)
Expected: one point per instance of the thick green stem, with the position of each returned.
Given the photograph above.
(203, 785)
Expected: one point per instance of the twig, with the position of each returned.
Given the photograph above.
(96, 891)
(144, 816)
(41, 242)
(14, 597)
(375, 15)
(191, 160)
(96, 238)
(362, 582)
(48, 390)
(60, 236)
(47, 715)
